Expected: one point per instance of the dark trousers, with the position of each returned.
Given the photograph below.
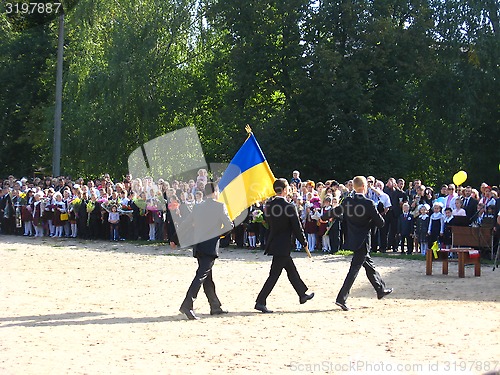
(277, 265)
(384, 233)
(361, 258)
(113, 232)
(374, 233)
(393, 231)
(409, 243)
(335, 235)
(203, 277)
(94, 227)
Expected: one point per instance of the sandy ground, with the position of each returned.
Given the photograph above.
(79, 307)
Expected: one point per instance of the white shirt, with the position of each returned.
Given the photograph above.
(386, 201)
(460, 212)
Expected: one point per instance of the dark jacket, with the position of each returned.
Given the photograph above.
(283, 221)
(471, 207)
(406, 226)
(358, 213)
(204, 226)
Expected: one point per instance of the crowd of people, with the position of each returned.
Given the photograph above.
(416, 216)
(132, 209)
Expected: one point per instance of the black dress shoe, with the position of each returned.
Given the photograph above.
(306, 297)
(189, 313)
(218, 312)
(262, 308)
(384, 293)
(343, 306)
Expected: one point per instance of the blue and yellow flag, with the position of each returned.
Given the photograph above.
(247, 179)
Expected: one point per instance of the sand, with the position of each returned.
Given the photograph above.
(82, 307)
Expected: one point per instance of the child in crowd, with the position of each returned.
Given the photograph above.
(295, 179)
(436, 224)
(48, 213)
(406, 229)
(298, 203)
(202, 176)
(152, 214)
(27, 215)
(421, 228)
(323, 225)
(59, 208)
(448, 222)
(114, 222)
(251, 230)
(459, 210)
(334, 229)
(310, 226)
(37, 214)
(66, 223)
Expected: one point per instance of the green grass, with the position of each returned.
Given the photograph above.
(344, 253)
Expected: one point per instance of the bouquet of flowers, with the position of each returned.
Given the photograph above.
(90, 206)
(162, 205)
(141, 203)
(103, 201)
(152, 205)
(258, 217)
(23, 200)
(107, 205)
(75, 204)
(124, 209)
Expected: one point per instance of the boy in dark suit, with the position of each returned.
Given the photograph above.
(406, 228)
(359, 213)
(283, 220)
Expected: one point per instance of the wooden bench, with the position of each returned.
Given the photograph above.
(464, 257)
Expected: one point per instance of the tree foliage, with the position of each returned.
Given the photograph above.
(405, 88)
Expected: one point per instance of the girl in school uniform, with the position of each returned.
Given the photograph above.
(422, 227)
(252, 229)
(67, 198)
(27, 213)
(48, 212)
(37, 214)
(310, 227)
(436, 224)
(323, 226)
(59, 208)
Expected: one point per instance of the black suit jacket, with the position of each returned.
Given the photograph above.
(283, 221)
(406, 226)
(359, 213)
(471, 207)
(204, 226)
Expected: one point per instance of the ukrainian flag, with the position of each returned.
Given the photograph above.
(247, 179)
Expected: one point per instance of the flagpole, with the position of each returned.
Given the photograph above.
(308, 252)
(249, 131)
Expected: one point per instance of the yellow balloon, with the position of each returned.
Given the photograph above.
(459, 178)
